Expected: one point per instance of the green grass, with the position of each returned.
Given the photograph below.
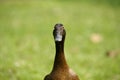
(27, 47)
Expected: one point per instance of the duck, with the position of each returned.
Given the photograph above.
(61, 70)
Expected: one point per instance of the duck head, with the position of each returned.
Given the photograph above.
(59, 33)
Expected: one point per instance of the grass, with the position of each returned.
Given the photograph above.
(27, 47)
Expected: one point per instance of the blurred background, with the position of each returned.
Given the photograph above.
(92, 46)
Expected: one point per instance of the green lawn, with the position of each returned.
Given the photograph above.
(27, 46)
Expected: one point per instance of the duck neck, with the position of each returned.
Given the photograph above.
(60, 61)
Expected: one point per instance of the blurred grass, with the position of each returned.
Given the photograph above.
(26, 42)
